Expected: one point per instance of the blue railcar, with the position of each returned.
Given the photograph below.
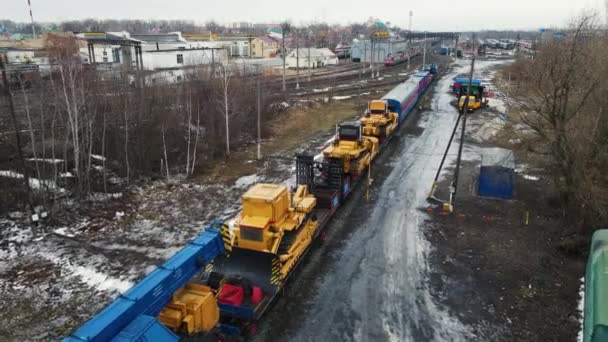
(404, 96)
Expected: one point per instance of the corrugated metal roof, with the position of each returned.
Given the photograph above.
(160, 38)
(268, 39)
(403, 90)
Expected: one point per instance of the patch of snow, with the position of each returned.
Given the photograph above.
(98, 168)
(119, 215)
(514, 141)
(88, 275)
(100, 196)
(15, 215)
(11, 174)
(321, 90)
(497, 104)
(581, 309)
(487, 129)
(520, 168)
(100, 280)
(48, 160)
(246, 181)
(66, 174)
(63, 231)
(284, 104)
(532, 178)
(35, 183)
(115, 180)
(98, 157)
(342, 97)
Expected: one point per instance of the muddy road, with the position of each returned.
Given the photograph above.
(369, 280)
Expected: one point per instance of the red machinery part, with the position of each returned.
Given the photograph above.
(231, 294)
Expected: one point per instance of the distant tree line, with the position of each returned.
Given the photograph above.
(321, 34)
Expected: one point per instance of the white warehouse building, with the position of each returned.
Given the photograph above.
(318, 58)
(178, 58)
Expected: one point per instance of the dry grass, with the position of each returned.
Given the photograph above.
(288, 131)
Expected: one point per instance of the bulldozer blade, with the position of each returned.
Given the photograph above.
(256, 268)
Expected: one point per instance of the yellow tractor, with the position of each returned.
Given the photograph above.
(378, 121)
(354, 149)
(474, 103)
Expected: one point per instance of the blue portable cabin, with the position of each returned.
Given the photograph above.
(463, 81)
(496, 173)
(444, 50)
(403, 97)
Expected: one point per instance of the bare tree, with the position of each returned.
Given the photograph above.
(561, 92)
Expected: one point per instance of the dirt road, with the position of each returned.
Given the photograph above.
(369, 280)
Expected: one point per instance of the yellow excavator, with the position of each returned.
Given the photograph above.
(352, 147)
(379, 121)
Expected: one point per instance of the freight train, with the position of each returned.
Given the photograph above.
(225, 280)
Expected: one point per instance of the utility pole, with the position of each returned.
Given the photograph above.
(11, 106)
(378, 68)
(284, 31)
(424, 49)
(259, 115)
(309, 66)
(29, 5)
(409, 43)
(371, 64)
(464, 111)
(297, 61)
(364, 56)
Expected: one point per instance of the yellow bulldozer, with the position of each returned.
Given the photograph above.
(378, 120)
(352, 147)
(273, 230)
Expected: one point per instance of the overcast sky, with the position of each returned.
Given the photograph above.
(435, 15)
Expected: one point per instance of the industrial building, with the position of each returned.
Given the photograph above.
(361, 50)
(265, 46)
(318, 58)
